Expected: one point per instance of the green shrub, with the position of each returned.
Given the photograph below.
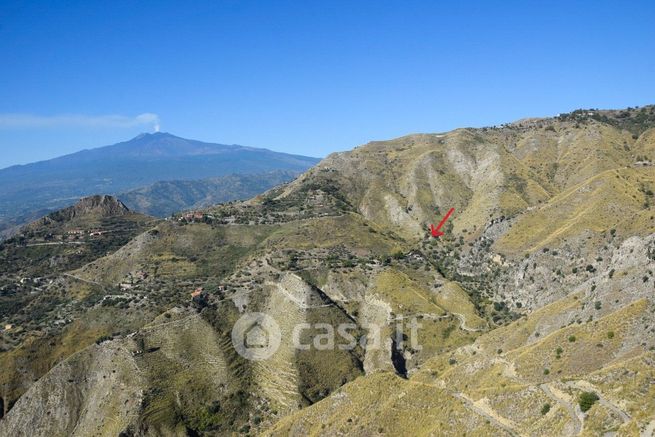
(572, 338)
(545, 409)
(587, 400)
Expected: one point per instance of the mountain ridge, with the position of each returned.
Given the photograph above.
(536, 306)
(164, 198)
(32, 189)
(138, 145)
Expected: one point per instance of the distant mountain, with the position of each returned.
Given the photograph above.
(166, 197)
(30, 191)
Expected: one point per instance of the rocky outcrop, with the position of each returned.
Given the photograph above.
(101, 205)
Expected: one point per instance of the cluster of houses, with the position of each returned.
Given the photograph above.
(34, 284)
(81, 232)
(192, 216)
(195, 216)
(199, 295)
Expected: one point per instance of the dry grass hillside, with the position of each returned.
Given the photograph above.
(536, 308)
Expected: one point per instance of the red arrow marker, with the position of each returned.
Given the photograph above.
(435, 231)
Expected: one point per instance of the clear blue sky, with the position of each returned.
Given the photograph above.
(308, 77)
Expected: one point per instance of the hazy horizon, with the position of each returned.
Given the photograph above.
(147, 133)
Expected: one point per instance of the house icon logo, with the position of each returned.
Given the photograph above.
(256, 336)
